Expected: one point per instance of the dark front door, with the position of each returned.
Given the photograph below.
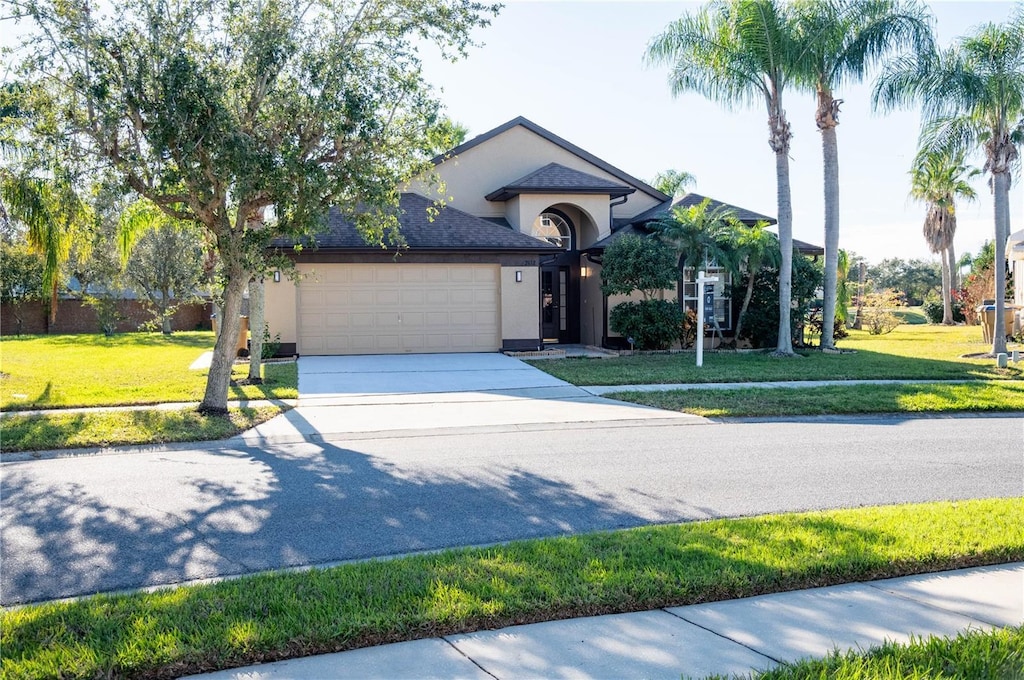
(554, 303)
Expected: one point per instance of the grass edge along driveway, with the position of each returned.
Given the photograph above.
(261, 618)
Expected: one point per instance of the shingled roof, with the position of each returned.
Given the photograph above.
(691, 199)
(554, 178)
(450, 229)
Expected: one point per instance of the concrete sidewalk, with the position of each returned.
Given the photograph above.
(736, 636)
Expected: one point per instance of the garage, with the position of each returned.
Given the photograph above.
(398, 308)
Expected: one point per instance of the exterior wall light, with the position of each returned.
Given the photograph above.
(584, 271)
(277, 277)
(519, 276)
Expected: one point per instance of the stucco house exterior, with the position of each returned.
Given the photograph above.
(511, 262)
(1015, 255)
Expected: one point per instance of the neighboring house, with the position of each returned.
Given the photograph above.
(1015, 254)
(510, 263)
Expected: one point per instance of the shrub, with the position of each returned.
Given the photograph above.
(876, 315)
(932, 308)
(761, 321)
(638, 263)
(653, 324)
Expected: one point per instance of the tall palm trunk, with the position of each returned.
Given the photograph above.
(947, 287)
(780, 144)
(1001, 186)
(954, 271)
(827, 119)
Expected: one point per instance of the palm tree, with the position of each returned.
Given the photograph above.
(700, 234)
(738, 52)
(972, 97)
(755, 247)
(673, 182)
(839, 40)
(938, 180)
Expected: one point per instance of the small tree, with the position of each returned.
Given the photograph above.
(634, 263)
(21, 275)
(878, 316)
(166, 265)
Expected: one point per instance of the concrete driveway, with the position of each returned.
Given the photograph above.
(345, 395)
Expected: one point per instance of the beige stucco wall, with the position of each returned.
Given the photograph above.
(589, 213)
(505, 158)
(591, 303)
(281, 298)
(520, 307)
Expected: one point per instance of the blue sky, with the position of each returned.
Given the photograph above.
(576, 68)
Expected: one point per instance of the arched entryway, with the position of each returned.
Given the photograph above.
(559, 274)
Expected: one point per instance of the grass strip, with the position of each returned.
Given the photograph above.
(973, 654)
(908, 353)
(65, 371)
(276, 616)
(39, 432)
(983, 396)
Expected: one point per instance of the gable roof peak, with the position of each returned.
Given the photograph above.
(521, 121)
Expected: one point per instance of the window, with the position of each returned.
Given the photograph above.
(723, 290)
(553, 229)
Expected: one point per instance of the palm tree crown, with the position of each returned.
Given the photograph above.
(972, 98)
(740, 52)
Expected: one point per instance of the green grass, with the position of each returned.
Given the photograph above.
(911, 315)
(909, 352)
(36, 432)
(972, 655)
(988, 396)
(274, 616)
(62, 371)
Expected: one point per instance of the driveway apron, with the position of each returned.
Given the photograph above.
(424, 392)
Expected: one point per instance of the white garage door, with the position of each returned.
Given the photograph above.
(398, 308)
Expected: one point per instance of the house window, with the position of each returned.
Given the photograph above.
(553, 229)
(723, 292)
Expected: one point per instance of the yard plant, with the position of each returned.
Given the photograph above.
(172, 632)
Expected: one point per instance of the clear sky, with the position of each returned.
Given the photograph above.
(576, 68)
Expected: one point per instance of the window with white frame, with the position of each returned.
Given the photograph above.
(723, 293)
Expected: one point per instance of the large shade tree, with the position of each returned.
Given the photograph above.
(938, 180)
(739, 52)
(216, 110)
(972, 99)
(839, 40)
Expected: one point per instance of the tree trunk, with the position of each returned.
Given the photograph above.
(954, 270)
(785, 341)
(256, 323)
(830, 154)
(746, 301)
(219, 315)
(947, 302)
(215, 399)
(1001, 186)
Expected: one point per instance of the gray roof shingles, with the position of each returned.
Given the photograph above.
(450, 229)
(556, 178)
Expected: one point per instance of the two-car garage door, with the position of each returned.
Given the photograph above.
(398, 308)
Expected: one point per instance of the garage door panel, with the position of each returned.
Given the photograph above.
(360, 309)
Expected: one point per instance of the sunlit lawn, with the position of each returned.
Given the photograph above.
(62, 371)
(915, 352)
(978, 397)
(33, 432)
(173, 632)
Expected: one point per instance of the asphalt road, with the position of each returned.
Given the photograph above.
(105, 522)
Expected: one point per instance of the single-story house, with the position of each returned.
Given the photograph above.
(1015, 254)
(511, 262)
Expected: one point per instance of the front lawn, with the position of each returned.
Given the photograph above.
(988, 396)
(37, 432)
(909, 352)
(61, 371)
(168, 633)
(996, 654)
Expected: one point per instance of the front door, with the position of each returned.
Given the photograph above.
(554, 303)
